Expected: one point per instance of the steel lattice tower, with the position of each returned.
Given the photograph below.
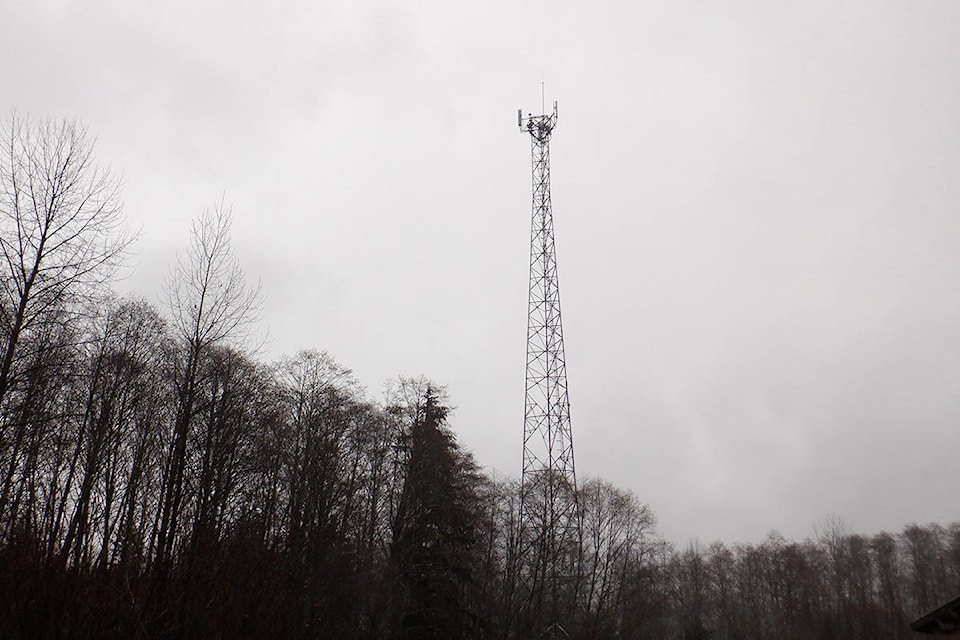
(548, 507)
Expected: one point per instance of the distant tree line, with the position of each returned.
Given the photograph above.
(158, 481)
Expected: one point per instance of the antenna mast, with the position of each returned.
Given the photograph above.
(549, 515)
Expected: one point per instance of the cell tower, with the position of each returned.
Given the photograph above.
(549, 517)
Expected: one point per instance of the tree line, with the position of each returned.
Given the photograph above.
(158, 480)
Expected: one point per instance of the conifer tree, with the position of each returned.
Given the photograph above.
(435, 543)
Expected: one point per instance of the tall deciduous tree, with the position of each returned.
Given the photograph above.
(61, 237)
(211, 304)
(616, 528)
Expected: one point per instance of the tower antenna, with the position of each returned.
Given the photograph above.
(549, 513)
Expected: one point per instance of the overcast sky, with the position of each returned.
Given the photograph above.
(756, 210)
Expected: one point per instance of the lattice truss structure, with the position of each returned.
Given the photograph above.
(548, 508)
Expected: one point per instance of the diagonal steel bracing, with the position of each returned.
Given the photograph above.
(549, 517)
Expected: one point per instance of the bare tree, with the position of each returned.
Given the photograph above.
(616, 528)
(123, 390)
(61, 229)
(210, 304)
(61, 237)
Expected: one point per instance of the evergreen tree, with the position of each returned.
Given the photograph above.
(434, 543)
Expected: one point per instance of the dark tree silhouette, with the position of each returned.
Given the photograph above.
(61, 240)
(435, 543)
